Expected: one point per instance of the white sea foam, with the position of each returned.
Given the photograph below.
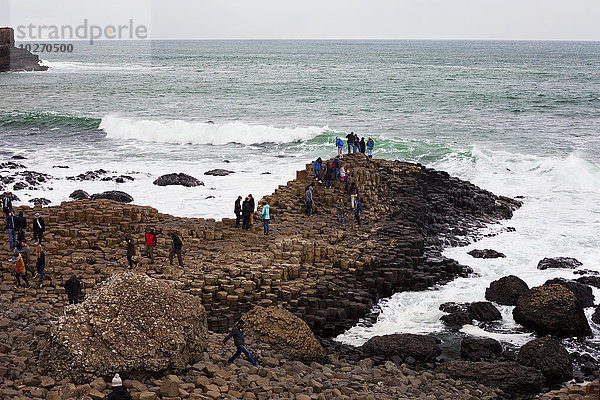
(178, 131)
(559, 218)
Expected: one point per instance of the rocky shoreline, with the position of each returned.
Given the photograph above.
(16, 59)
(328, 276)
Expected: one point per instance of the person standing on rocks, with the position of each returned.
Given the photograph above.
(237, 209)
(328, 176)
(358, 210)
(356, 144)
(119, 392)
(26, 254)
(339, 206)
(353, 194)
(20, 271)
(176, 247)
(363, 145)
(370, 146)
(20, 227)
(10, 227)
(266, 217)
(150, 243)
(252, 208)
(7, 203)
(340, 146)
(73, 289)
(246, 214)
(350, 140)
(130, 251)
(308, 197)
(238, 339)
(38, 228)
(317, 168)
(336, 166)
(40, 263)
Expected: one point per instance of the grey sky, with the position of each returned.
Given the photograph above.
(322, 19)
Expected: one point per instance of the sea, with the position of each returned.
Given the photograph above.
(519, 118)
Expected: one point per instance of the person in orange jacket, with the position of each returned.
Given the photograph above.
(20, 271)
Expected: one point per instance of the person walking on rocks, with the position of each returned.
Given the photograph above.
(317, 168)
(150, 243)
(339, 206)
(340, 146)
(176, 247)
(246, 214)
(252, 208)
(336, 166)
(10, 227)
(20, 227)
(26, 254)
(358, 210)
(119, 392)
(237, 333)
(72, 289)
(20, 271)
(308, 197)
(237, 209)
(40, 263)
(266, 217)
(130, 251)
(353, 194)
(38, 228)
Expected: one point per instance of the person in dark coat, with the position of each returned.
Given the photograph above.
(363, 145)
(237, 209)
(130, 251)
(38, 228)
(40, 263)
(176, 249)
(10, 227)
(237, 333)
(246, 212)
(350, 141)
(119, 392)
(73, 289)
(358, 210)
(252, 208)
(328, 176)
(7, 203)
(20, 227)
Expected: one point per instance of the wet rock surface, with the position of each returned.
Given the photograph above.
(506, 290)
(460, 314)
(422, 348)
(480, 349)
(219, 172)
(487, 253)
(130, 323)
(79, 195)
(551, 310)
(115, 195)
(178, 179)
(582, 292)
(559, 262)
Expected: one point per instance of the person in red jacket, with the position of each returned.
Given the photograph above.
(150, 243)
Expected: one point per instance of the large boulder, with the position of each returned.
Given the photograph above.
(506, 290)
(515, 380)
(284, 332)
(460, 314)
(559, 262)
(79, 195)
(486, 253)
(548, 356)
(130, 323)
(422, 348)
(484, 311)
(590, 280)
(115, 195)
(178, 179)
(480, 349)
(551, 310)
(219, 172)
(582, 292)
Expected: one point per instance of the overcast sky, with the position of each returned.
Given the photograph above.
(325, 19)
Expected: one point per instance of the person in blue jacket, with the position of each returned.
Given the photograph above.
(340, 146)
(10, 227)
(237, 333)
(317, 168)
(358, 210)
(370, 145)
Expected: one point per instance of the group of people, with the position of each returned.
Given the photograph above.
(151, 241)
(355, 145)
(244, 211)
(16, 226)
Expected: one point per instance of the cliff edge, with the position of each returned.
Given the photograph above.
(13, 58)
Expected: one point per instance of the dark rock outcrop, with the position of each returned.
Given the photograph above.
(422, 348)
(582, 292)
(515, 380)
(89, 176)
(480, 349)
(548, 356)
(115, 195)
(487, 253)
(40, 200)
(178, 179)
(219, 172)
(16, 59)
(284, 332)
(460, 314)
(506, 290)
(596, 316)
(130, 323)
(551, 310)
(590, 280)
(559, 262)
(79, 195)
